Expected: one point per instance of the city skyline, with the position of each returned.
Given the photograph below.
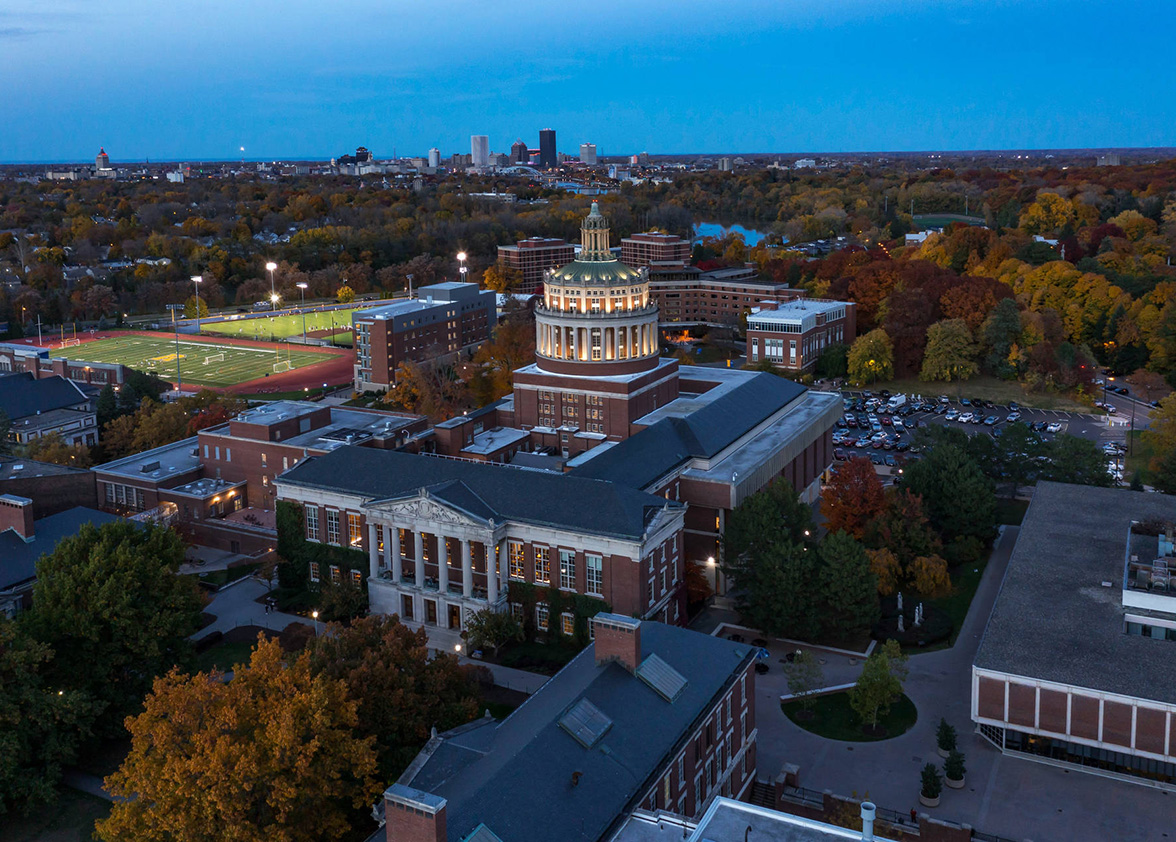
(860, 77)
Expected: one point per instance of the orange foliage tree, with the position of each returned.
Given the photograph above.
(853, 497)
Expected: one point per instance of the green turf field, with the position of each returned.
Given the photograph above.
(201, 363)
(279, 327)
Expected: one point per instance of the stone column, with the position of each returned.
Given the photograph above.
(442, 565)
(418, 548)
(492, 572)
(467, 568)
(373, 551)
(392, 552)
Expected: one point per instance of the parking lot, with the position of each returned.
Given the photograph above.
(875, 429)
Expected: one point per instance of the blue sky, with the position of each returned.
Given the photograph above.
(184, 80)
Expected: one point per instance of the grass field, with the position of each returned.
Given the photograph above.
(201, 363)
(279, 327)
(832, 717)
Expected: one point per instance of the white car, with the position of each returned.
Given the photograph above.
(1013, 416)
(1054, 427)
(965, 418)
(951, 415)
(1110, 409)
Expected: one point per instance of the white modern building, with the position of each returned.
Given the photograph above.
(480, 150)
(588, 154)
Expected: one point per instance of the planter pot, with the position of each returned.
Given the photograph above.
(943, 753)
(954, 784)
(928, 802)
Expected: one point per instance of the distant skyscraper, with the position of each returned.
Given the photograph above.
(588, 154)
(547, 156)
(480, 150)
(519, 154)
(434, 157)
(362, 155)
(102, 161)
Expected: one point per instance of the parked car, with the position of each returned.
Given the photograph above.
(1122, 390)
(903, 446)
(851, 421)
(1054, 427)
(1110, 409)
(839, 454)
(886, 422)
(1013, 416)
(951, 415)
(965, 402)
(876, 458)
(890, 461)
(990, 420)
(862, 442)
(1038, 426)
(965, 418)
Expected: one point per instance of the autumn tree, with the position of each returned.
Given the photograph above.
(274, 754)
(502, 277)
(886, 569)
(902, 527)
(1001, 332)
(109, 602)
(492, 629)
(929, 577)
(1048, 214)
(401, 692)
(950, 353)
(494, 363)
(52, 448)
(871, 358)
(195, 307)
(853, 497)
(345, 294)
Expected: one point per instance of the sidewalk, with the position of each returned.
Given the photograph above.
(236, 605)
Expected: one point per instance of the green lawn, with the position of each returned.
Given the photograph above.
(988, 388)
(834, 719)
(222, 577)
(69, 819)
(224, 656)
(279, 327)
(965, 579)
(201, 363)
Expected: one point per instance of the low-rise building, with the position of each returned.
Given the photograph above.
(792, 335)
(534, 257)
(36, 361)
(650, 717)
(42, 407)
(1076, 663)
(443, 321)
(52, 488)
(688, 296)
(655, 249)
(444, 538)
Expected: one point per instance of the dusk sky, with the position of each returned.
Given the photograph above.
(181, 80)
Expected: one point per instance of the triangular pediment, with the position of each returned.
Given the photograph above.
(423, 506)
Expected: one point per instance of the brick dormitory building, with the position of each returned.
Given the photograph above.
(615, 468)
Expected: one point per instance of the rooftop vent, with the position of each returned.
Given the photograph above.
(150, 466)
(585, 722)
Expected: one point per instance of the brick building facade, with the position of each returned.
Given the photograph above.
(793, 335)
(716, 298)
(441, 323)
(534, 257)
(655, 249)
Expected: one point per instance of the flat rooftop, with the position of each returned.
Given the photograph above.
(687, 403)
(494, 440)
(345, 422)
(29, 468)
(1054, 620)
(727, 820)
(790, 312)
(175, 458)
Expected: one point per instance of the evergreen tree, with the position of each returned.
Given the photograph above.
(957, 497)
(846, 586)
(107, 405)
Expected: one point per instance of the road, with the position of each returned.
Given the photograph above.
(1004, 795)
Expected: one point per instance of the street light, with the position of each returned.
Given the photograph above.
(457, 648)
(461, 258)
(196, 279)
(302, 290)
(314, 614)
(270, 267)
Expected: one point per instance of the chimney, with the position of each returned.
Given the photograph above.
(868, 813)
(17, 513)
(411, 815)
(617, 638)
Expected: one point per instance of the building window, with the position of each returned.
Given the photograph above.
(380, 537)
(356, 578)
(516, 611)
(312, 523)
(541, 617)
(567, 569)
(336, 576)
(332, 526)
(568, 623)
(595, 579)
(515, 560)
(663, 581)
(353, 530)
(264, 462)
(314, 571)
(543, 565)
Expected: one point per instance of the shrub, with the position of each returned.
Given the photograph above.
(208, 641)
(954, 767)
(967, 549)
(932, 781)
(945, 736)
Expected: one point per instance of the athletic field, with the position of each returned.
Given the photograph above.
(266, 328)
(200, 363)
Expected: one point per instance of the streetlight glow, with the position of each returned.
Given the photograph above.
(196, 279)
(461, 255)
(270, 267)
(302, 292)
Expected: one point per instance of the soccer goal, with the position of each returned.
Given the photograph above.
(215, 358)
(69, 342)
(284, 365)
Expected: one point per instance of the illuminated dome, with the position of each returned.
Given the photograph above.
(596, 317)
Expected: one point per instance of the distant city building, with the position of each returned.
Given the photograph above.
(362, 155)
(793, 335)
(724, 165)
(102, 161)
(534, 257)
(498, 159)
(480, 150)
(519, 153)
(1087, 682)
(434, 157)
(654, 248)
(39, 407)
(804, 163)
(458, 160)
(547, 154)
(176, 176)
(1111, 159)
(444, 320)
(640, 159)
(588, 154)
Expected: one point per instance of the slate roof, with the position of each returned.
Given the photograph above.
(524, 769)
(658, 449)
(1053, 620)
(18, 560)
(484, 490)
(22, 395)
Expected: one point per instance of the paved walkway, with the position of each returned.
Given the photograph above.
(237, 606)
(1004, 795)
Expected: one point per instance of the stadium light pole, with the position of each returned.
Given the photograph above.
(196, 279)
(461, 258)
(176, 327)
(270, 267)
(302, 291)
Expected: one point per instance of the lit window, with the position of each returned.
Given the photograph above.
(568, 623)
(353, 529)
(543, 564)
(541, 617)
(515, 560)
(356, 578)
(314, 571)
(264, 462)
(336, 576)
(567, 569)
